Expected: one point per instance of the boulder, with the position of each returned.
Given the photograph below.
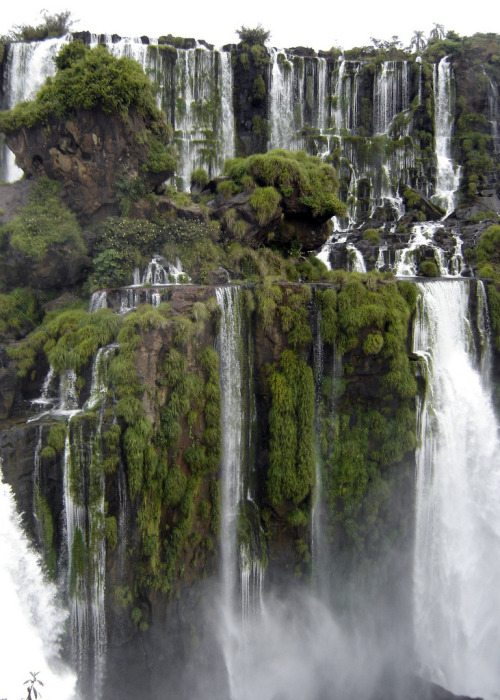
(88, 153)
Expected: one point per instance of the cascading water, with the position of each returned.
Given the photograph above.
(406, 259)
(448, 175)
(195, 93)
(456, 567)
(355, 259)
(98, 300)
(391, 94)
(26, 67)
(493, 111)
(32, 619)
(84, 508)
(297, 100)
(237, 559)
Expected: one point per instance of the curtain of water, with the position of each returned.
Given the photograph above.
(456, 565)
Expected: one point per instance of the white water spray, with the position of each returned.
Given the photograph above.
(456, 566)
(32, 619)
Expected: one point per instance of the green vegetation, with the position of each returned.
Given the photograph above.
(488, 253)
(310, 179)
(371, 235)
(253, 36)
(365, 439)
(291, 450)
(90, 79)
(428, 268)
(43, 224)
(19, 312)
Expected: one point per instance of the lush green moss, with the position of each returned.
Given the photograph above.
(374, 342)
(68, 339)
(371, 235)
(428, 268)
(264, 201)
(365, 439)
(44, 517)
(494, 308)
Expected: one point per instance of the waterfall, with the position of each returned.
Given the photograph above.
(195, 93)
(448, 175)
(204, 121)
(242, 573)
(355, 259)
(298, 103)
(236, 558)
(32, 619)
(391, 94)
(26, 67)
(84, 509)
(98, 300)
(456, 564)
(337, 113)
(281, 101)
(407, 259)
(84, 514)
(493, 111)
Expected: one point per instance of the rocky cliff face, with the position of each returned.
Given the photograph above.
(158, 442)
(89, 153)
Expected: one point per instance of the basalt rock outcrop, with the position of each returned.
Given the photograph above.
(88, 152)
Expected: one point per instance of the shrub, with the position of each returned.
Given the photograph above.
(290, 173)
(371, 235)
(199, 177)
(256, 35)
(428, 268)
(53, 26)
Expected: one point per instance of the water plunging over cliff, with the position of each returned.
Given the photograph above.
(391, 94)
(456, 566)
(448, 174)
(241, 568)
(32, 620)
(196, 93)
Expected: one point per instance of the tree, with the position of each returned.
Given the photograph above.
(258, 35)
(418, 41)
(437, 32)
